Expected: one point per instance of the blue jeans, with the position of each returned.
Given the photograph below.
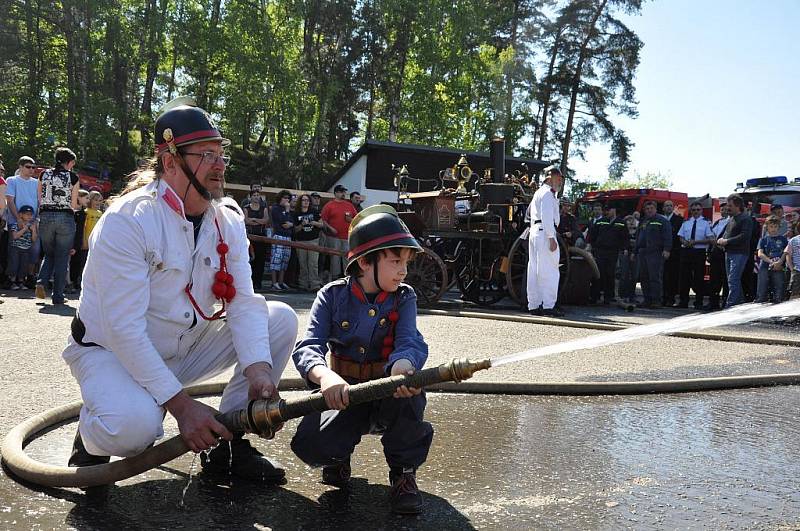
(734, 264)
(57, 234)
(769, 278)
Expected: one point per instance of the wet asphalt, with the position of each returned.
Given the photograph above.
(702, 460)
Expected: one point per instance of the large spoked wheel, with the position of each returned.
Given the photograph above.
(517, 276)
(479, 274)
(427, 274)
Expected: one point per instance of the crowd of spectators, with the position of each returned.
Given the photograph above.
(45, 224)
(731, 260)
(301, 219)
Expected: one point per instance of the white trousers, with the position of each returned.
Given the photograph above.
(119, 417)
(542, 270)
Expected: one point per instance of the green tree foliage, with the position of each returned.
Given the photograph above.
(299, 84)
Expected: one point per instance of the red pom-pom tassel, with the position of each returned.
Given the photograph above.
(221, 276)
(231, 293)
(222, 248)
(219, 289)
(385, 351)
(394, 316)
(388, 341)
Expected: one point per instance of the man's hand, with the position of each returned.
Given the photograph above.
(261, 383)
(72, 252)
(404, 366)
(722, 242)
(198, 427)
(553, 247)
(334, 389)
(665, 254)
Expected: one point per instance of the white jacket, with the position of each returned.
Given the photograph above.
(544, 208)
(141, 257)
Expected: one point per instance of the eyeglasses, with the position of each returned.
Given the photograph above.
(697, 210)
(29, 166)
(211, 158)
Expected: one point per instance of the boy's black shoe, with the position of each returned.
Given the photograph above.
(404, 495)
(536, 311)
(337, 475)
(81, 457)
(246, 462)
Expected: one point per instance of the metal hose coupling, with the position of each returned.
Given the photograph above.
(265, 417)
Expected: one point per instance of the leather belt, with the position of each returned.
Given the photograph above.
(369, 370)
(537, 221)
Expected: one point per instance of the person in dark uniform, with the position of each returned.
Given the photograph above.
(568, 226)
(367, 322)
(672, 264)
(653, 245)
(718, 278)
(607, 237)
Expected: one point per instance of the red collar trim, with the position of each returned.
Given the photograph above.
(173, 201)
(211, 134)
(358, 293)
(377, 241)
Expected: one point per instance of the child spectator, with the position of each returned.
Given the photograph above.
(770, 267)
(281, 230)
(368, 323)
(792, 254)
(80, 245)
(23, 235)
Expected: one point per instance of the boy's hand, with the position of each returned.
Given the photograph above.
(335, 390)
(404, 366)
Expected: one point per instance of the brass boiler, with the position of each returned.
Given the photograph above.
(265, 417)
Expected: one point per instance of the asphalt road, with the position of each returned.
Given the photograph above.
(478, 475)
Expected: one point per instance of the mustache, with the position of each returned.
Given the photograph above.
(215, 174)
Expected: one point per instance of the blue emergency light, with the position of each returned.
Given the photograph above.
(767, 181)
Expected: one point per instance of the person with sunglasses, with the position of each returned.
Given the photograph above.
(167, 261)
(695, 235)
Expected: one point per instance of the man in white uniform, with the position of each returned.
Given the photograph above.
(543, 252)
(160, 258)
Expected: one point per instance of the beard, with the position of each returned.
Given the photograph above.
(215, 184)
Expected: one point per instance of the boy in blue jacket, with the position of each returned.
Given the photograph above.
(367, 323)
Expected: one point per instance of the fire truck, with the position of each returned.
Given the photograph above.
(630, 200)
(762, 192)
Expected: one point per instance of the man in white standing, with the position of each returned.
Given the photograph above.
(543, 252)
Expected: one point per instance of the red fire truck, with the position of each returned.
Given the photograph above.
(632, 199)
(763, 192)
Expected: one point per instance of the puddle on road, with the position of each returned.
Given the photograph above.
(722, 459)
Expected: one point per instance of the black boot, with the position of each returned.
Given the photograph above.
(80, 457)
(337, 475)
(404, 496)
(246, 463)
